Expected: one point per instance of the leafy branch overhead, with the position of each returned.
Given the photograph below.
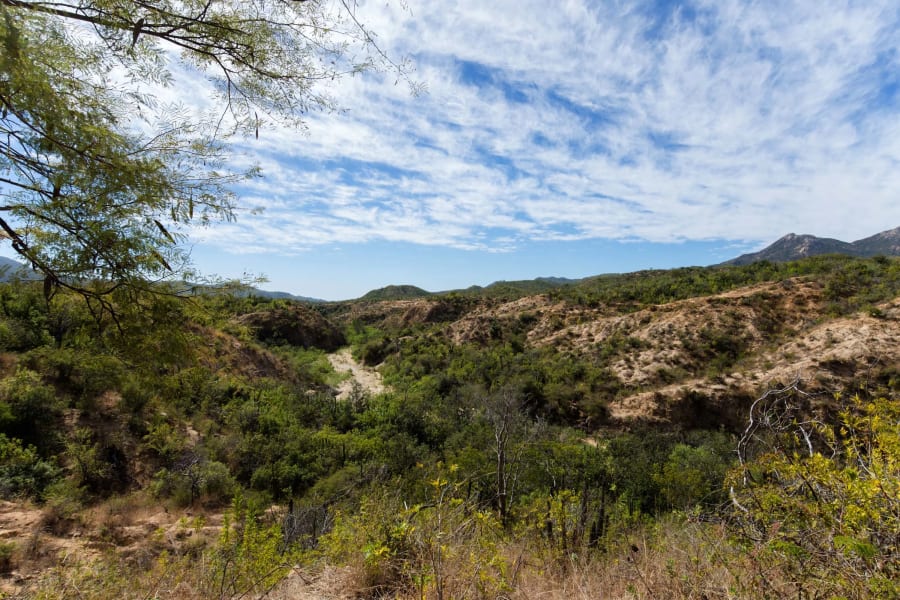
(99, 179)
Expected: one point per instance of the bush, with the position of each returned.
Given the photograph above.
(29, 409)
(821, 503)
(65, 499)
(7, 549)
(249, 558)
(691, 476)
(194, 479)
(442, 547)
(84, 375)
(22, 471)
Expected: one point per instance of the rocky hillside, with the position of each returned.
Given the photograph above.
(794, 247)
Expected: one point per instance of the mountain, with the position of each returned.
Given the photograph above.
(557, 281)
(794, 247)
(282, 296)
(886, 243)
(680, 348)
(8, 265)
(661, 370)
(527, 286)
(10, 268)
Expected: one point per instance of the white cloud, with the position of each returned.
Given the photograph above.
(722, 120)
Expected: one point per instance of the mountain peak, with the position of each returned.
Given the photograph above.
(886, 242)
(793, 246)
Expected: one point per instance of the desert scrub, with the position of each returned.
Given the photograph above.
(250, 556)
(442, 547)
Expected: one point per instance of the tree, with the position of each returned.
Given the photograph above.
(504, 410)
(98, 178)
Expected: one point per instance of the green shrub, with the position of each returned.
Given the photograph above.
(7, 549)
(30, 409)
(444, 546)
(821, 504)
(82, 374)
(165, 441)
(194, 479)
(22, 471)
(691, 476)
(249, 558)
(64, 501)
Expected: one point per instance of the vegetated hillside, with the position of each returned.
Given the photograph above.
(395, 292)
(693, 362)
(524, 286)
(293, 325)
(551, 427)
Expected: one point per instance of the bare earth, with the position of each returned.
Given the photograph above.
(368, 379)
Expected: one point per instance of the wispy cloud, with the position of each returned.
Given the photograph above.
(658, 121)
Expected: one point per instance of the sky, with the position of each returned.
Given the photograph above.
(573, 138)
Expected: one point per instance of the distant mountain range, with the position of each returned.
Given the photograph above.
(281, 296)
(789, 247)
(10, 269)
(794, 247)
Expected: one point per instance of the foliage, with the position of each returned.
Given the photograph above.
(100, 180)
(24, 322)
(81, 374)
(6, 556)
(490, 469)
(248, 558)
(845, 278)
(193, 478)
(29, 409)
(822, 502)
(97, 465)
(22, 471)
(443, 546)
(690, 476)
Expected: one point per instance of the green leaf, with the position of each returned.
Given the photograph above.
(852, 546)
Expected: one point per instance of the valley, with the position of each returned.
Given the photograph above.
(225, 446)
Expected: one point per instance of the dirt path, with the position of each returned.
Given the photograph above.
(368, 379)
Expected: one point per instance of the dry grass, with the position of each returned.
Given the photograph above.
(674, 559)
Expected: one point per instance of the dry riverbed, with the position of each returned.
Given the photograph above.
(368, 379)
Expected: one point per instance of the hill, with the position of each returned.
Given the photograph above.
(527, 286)
(395, 292)
(198, 447)
(794, 247)
(886, 243)
(663, 338)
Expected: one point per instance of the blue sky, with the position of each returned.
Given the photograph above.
(575, 138)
